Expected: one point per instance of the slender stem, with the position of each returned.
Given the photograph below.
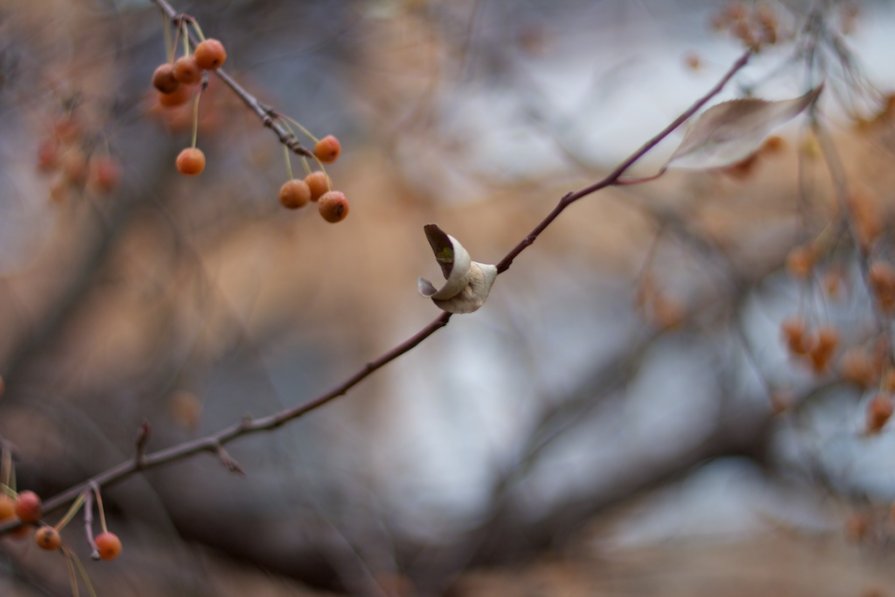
(166, 31)
(75, 506)
(99, 507)
(186, 38)
(196, 117)
(288, 157)
(301, 127)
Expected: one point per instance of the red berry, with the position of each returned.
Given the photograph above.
(186, 70)
(48, 538)
(210, 54)
(318, 182)
(328, 149)
(295, 193)
(333, 206)
(104, 173)
(191, 161)
(28, 506)
(47, 155)
(108, 545)
(164, 80)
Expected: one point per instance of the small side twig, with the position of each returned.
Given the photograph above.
(143, 435)
(228, 461)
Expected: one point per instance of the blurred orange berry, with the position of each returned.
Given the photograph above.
(328, 149)
(210, 54)
(190, 161)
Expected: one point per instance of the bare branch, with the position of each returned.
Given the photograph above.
(214, 442)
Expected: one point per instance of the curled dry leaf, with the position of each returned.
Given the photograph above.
(467, 282)
(732, 131)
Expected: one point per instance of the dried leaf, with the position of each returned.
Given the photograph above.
(467, 283)
(732, 131)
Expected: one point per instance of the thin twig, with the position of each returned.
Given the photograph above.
(143, 435)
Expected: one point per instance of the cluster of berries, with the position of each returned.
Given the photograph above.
(315, 186)
(755, 27)
(26, 508)
(68, 151)
(177, 81)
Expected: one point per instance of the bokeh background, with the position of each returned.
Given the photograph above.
(621, 418)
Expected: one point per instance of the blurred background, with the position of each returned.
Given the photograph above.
(622, 418)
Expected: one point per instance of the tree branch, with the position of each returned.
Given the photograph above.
(214, 442)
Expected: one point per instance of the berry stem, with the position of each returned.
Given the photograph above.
(287, 155)
(306, 132)
(75, 506)
(99, 507)
(170, 44)
(82, 572)
(306, 164)
(196, 118)
(186, 38)
(72, 575)
(197, 29)
(6, 469)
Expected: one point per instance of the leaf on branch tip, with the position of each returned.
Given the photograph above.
(467, 282)
(732, 131)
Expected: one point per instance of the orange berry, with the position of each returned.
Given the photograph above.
(800, 261)
(882, 282)
(888, 382)
(7, 508)
(773, 144)
(879, 411)
(328, 149)
(164, 80)
(74, 166)
(47, 538)
(333, 206)
(795, 334)
(859, 367)
(210, 54)
(47, 155)
(104, 173)
(693, 61)
(178, 97)
(191, 161)
(186, 70)
(28, 506)
(318, 182)
(821, 353)
(295, 193)
(108, 545)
